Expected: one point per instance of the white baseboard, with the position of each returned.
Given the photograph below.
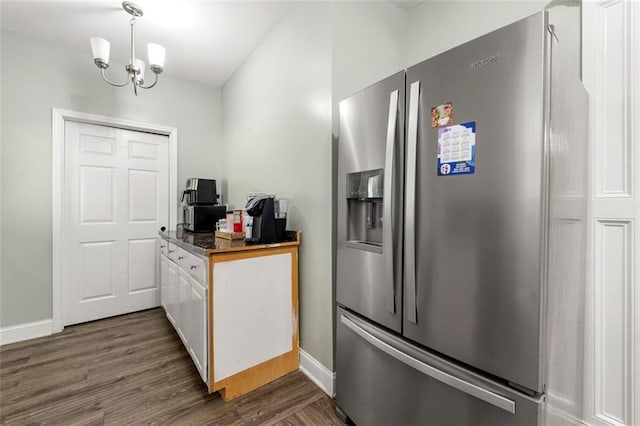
(555, 416)
(318, 373)
(30, 330)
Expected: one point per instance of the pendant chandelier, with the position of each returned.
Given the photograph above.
(136, 67)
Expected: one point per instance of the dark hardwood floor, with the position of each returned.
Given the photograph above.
(133, 369)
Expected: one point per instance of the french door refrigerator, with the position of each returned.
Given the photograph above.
(461, 199)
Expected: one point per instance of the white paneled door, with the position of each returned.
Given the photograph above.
(611, 64)
(116, 197)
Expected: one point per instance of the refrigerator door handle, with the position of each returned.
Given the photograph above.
(388, 240)
(436, 374)
(410, 207)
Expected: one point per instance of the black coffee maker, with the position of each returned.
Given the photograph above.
(266, 227)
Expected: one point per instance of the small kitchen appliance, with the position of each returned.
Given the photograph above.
(268, 221)
(202, 218)
(201, 211)
(200, 192)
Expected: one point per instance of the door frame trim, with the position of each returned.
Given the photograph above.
(58, 119)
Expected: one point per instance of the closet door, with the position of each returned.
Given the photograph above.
(116, 197)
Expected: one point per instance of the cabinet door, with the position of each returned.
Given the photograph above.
(198, 327)
(172, 289)
(164, 281)
(182, 314)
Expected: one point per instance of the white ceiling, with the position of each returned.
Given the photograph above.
(206, 41)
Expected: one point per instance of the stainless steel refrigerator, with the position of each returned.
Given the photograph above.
(461, 200)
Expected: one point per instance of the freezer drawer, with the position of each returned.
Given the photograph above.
(381, 379)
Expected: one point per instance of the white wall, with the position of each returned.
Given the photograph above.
(277, 131)
(38, 75)
(437, 26)
(369, 44)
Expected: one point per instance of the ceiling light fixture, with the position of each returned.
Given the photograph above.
(136, 67)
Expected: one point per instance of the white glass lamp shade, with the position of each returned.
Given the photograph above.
(100, 48)
(156, 57)
(141, 66)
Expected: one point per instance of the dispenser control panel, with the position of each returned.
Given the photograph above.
(365, 185)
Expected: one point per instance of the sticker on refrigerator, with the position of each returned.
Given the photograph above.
(442, 115)
(457, 149)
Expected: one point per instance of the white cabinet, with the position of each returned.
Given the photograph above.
(182, 326)
(164, 281)
(163, 272)
(172, 291)
(183, 295)
(198, 327)
(247, 335)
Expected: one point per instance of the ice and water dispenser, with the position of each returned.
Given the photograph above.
(364, 209)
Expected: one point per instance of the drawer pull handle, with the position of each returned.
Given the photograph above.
(192, 267)
(452, 381)
(180, 257)
(171, 251)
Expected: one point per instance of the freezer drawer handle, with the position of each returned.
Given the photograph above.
(449, 380)
(410, 207)
(388, 241)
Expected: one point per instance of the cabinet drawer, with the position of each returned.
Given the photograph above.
(197, 267)
(164, 247)
(183, 258)
(172, 252)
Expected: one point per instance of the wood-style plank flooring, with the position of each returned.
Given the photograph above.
(133, 369)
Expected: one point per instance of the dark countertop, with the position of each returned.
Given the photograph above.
(206, 243)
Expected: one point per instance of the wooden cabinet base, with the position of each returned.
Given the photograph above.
(256, 376)
(253, 317)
